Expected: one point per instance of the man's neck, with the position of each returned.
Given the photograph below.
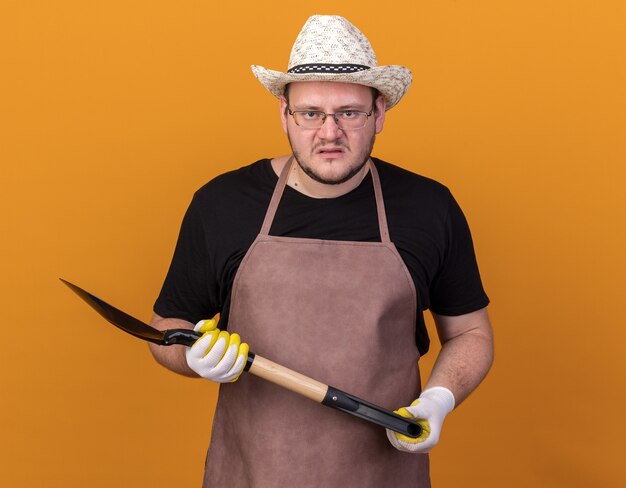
(303, 183)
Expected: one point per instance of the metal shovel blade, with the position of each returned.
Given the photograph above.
(118, 318)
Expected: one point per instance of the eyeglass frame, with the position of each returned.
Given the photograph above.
(325, 116)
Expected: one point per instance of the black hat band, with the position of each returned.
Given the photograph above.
(327, 68)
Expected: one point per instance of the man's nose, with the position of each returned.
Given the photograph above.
(329, 128)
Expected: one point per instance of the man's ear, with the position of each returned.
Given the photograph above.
(381, 106)
(283, 113)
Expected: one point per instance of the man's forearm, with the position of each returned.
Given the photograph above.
(171, 357)
(466, 353)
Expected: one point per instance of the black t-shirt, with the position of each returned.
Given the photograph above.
(225, 216)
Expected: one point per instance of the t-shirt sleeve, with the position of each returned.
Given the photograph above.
(189, 291)
(457, 287)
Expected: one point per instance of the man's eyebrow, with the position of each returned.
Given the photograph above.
(357, 107)
(313, 108)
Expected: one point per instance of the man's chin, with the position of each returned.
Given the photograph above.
(331, 177)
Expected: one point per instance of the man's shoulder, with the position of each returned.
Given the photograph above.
(404, 182)
(237, 181)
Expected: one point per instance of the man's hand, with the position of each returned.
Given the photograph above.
(430, 409)
(217, 355)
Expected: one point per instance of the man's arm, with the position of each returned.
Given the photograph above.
(465, 357)
(172, 357)
(466, 353)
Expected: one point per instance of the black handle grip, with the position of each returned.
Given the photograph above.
(185, 337)
(373, 413)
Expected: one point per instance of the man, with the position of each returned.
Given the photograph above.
(324, 262)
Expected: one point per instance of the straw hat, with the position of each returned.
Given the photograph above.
(329, 48)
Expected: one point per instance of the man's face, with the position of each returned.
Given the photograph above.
(330, 155)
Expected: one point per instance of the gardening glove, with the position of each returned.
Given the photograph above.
(217, 355)
(428, 410)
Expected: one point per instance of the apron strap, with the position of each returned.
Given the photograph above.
(282, 182)
(380, 204)
(278, 192)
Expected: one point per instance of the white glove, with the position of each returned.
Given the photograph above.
(217, 355)
(428, 410)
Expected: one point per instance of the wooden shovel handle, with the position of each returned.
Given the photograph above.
(285, 377)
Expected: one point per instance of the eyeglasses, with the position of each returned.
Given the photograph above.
(345, 119)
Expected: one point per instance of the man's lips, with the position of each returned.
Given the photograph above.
(330, 151)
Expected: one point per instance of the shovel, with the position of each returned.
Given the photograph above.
(261, 367)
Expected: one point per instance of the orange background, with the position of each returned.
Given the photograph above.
(113, 113)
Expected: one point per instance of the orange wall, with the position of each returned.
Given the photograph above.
(113, 113)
